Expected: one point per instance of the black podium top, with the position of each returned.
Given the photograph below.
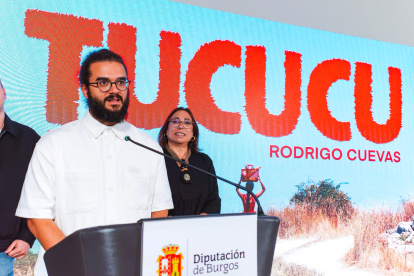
(117, 249)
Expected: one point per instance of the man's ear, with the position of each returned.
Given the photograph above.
(84, 89)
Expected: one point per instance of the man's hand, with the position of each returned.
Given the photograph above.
(18, 249)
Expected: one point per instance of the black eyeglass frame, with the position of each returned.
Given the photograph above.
(113, 82)
(181, 122)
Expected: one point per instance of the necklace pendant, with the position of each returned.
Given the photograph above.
(185, 177)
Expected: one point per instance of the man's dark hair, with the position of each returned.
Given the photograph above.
(1, 85)
(97, 56)
(162, 136)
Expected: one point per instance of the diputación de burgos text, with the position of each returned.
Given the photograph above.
(362, 155)
(218, 262)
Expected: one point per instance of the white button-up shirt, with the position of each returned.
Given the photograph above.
(85, 174)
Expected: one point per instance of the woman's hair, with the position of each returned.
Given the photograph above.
(162, 136)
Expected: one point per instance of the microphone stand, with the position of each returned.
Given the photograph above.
(259, 207)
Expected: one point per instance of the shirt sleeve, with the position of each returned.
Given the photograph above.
(25, 234)
(213, 203)
(162, 199)
(38, 194)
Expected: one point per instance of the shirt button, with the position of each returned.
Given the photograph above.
(111, 189)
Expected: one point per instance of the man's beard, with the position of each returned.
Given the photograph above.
(103, 114)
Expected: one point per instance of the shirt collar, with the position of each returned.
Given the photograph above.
(96, 128)
(9, 126)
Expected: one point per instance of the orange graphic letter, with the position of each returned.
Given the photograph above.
(122, 40)
(208, 59)
(255, 92)
(67, 34)
(321, 78)
(377, 133)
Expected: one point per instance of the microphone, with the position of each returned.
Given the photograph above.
(259, 206)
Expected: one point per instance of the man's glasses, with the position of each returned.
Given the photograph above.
(105, 85)
(176, 123)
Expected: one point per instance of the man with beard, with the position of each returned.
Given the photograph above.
(85, 174)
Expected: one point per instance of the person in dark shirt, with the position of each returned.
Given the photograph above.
(17, 143)
(193, 192)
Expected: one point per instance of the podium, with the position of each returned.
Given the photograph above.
(122, 249)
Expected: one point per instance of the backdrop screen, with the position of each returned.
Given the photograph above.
(301, 104)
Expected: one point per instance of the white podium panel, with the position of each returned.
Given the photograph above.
(200, 245)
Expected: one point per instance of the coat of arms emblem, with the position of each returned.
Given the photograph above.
(170, 264)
